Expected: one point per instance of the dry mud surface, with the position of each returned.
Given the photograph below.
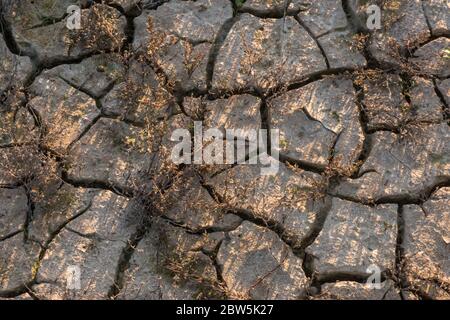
(364, 173)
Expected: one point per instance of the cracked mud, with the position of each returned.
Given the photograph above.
(85, 172)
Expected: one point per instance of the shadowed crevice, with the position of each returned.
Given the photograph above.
(445, 106)
(97, 184)
(8, 36)
(426, 17)
(26, 287)
(352, 18)
(215, 48)
(30, 212)
(399, 251)
(10, 235)
(311, 34)
(401, 199)
(274, 13)
(125, 257)
(363, 121)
